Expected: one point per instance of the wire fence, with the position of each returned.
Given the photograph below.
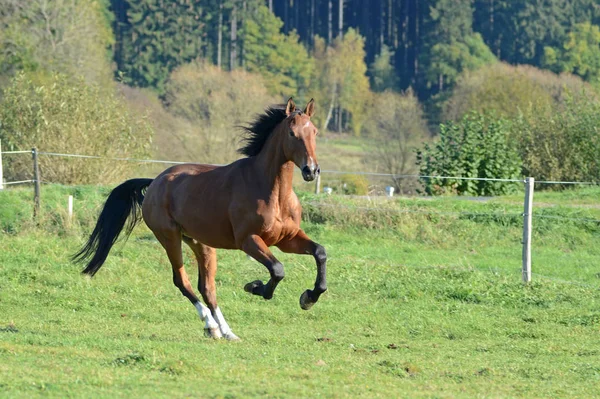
(324, 171)
(527, 213)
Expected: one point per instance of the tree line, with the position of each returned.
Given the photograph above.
(389, 71)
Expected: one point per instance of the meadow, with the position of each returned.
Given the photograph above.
(425, 299)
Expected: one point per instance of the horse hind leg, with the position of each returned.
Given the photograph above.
(171, 242)
(207, 270)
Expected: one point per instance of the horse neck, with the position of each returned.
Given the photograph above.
(274, 166)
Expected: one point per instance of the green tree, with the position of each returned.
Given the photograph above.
(517, 31)
(158, 36)
(451, 46)
(341, 79)
(279, 58)
(579, 54)
(382, 73)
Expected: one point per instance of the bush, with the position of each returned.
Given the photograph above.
(563, 144)
(355, 185)
(66, 115)
(477, 146)
(509, 90)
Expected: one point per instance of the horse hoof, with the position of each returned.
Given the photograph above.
(230, 336)
(305, 301)
(255, 287)
(214, 332)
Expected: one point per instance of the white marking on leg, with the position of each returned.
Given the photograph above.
(225, 330)
(211, 326)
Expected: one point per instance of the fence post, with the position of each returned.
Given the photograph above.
(1, 176)
(318, 183)
(527, 215)
(70, 210)
(36, 182)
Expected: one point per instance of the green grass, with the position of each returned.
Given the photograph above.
(424, 300)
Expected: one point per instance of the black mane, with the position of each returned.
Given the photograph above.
(258, 132)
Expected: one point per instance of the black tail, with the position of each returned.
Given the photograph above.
(124, 202)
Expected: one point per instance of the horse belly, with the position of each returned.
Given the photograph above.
(209, 229)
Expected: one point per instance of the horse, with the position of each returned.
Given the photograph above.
(247, 205)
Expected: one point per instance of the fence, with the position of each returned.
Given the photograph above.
(528, 182)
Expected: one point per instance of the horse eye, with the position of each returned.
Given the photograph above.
(292, 133)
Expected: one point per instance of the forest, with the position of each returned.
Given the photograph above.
(513, 82)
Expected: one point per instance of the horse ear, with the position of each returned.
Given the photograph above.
(310, 108)
(290, 107)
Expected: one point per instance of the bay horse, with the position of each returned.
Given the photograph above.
(247, 205)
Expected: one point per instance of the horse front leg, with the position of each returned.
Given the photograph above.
(254, 246)
(301, 244)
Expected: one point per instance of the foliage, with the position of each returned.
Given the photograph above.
(156, 38)
(66, 115)
(451, 46)
(562, 144)
(397, 124)
(509, 90)
(212, 103)
(476, 146)
(517, 31)
(67, 36)
(383, 76)
(283, 62)
(448, 60)
(354, 184)
(341, 79)
(579, 54)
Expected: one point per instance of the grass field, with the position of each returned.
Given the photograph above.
(425, 300)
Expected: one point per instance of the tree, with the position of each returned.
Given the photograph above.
(156, 37)
(341, 79)
(397, 125)
(279, 58)
(451, 46)
(579, 54)
(69, 36)
(213, 102)
(383, 75)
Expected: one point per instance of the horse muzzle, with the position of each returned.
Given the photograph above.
(309, 174)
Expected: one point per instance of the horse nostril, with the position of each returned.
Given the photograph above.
(318, 171)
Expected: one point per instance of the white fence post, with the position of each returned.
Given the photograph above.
(318, 183)
(527, 215)
(70, 209)
(1, 176)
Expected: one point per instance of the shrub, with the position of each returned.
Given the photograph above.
(562, 144)
(355, 184)
(508, 90)
(66, 115)
(476, 146)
